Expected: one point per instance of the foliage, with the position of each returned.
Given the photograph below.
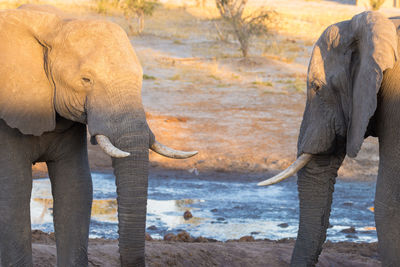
(244, 27)
(376, 4)
(143, 7)
(130, 9)
(138, 8)
(103, 6)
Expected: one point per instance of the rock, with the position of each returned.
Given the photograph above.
(352, 236)
(255, 233)
(219, 222)
(187, 215)
(283, 240)
(40, 236)
(52, 236)
(194, 170)
(153, 228)
(214, 210)
(220, 219)
(283, 225)
(170, 237)
(247, 238)
(184, 237)
(201, 239)
(153, 164)
(148, 237)
(350, 230)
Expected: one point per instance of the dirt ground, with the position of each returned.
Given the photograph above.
(195, 254)
(242, 115)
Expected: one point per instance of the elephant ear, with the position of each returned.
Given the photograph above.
(376, 40)
(26, 93)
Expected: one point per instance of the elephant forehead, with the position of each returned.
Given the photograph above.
(98, 45)
(86, 36)
(316, 70)
(101, 28)
(331, 37)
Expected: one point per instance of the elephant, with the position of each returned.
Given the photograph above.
(353, 91)
(61, 77)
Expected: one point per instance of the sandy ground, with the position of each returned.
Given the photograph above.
(241, 115)
(232, 253)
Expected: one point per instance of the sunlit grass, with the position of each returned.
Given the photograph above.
(148, 77)
(296, 83)
(262, 83)
(176, 77)
(212, 76)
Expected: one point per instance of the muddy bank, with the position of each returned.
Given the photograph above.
(233, 253)
(234, 165)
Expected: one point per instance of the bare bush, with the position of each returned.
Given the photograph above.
(243, 27)
(130, 9)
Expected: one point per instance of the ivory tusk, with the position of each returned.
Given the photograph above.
(289, 171)
(171, 153)
(105, 144)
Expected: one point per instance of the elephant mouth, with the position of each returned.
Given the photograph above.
(106, 145)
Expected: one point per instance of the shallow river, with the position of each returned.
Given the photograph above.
(221, 209)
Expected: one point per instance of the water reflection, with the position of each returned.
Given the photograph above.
(221, 210)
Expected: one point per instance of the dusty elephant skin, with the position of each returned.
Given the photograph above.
(353, 91)
(57, 75)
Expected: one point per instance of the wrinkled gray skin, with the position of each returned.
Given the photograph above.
(353, 91)
(58, 75)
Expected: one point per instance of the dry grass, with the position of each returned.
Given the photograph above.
(294, 30)
(183, 20)
(286, 50)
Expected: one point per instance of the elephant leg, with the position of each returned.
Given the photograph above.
(387, 213)
(15, 196)
(72, 193)
(316, 185)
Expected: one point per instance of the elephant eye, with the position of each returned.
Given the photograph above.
(316, 87)
(86, 81)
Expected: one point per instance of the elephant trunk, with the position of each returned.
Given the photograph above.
(131, 179)
(118, 117)
(117, 122)
(316, 185)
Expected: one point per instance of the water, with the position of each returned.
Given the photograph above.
(221, 209)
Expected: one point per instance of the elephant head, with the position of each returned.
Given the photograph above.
(85, 70)
(344, 76)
